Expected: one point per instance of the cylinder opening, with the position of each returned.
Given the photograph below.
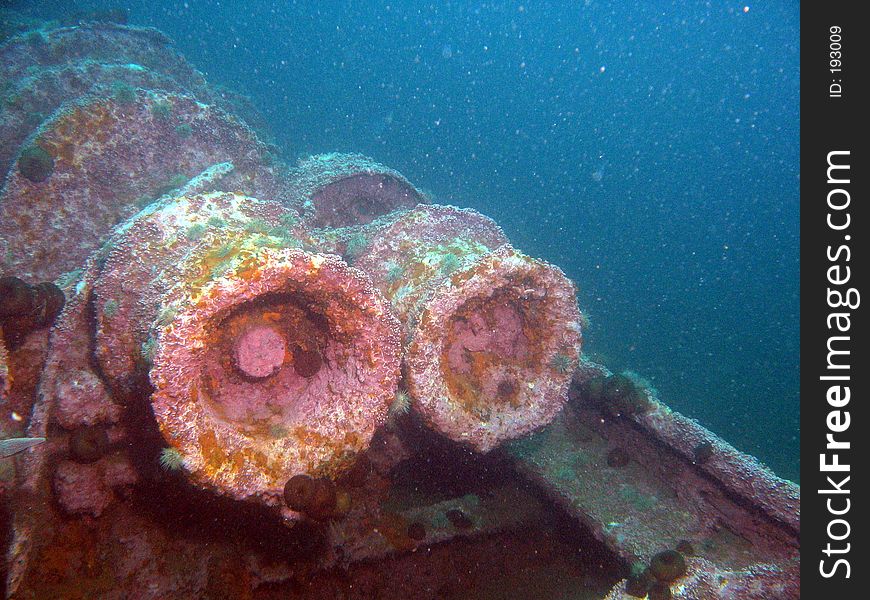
(270, 360)
(495, 344)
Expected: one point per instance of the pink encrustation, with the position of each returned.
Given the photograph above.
(49, 88)
(266, 360)
(232, 323)
(259, 351)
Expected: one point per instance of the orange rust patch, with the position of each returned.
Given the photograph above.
(352, 440)
(460, 276)
(94, 122)
(236, 461)
(194, 394)
(306, 437)
(268, 468)
(259, 459)
(249, 269)
(212, 453)
(343, 452)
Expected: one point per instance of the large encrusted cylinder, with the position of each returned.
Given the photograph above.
(492, 335)
(266, 361)
(97, 161)
(284, 365)
(146, 258)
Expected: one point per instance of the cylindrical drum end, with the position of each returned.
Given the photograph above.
(493, 353)
(283, 366)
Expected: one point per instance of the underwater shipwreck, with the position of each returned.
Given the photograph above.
(225, 376)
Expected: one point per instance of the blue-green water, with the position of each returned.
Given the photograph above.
(649, 149)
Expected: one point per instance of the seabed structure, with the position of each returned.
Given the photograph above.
(225, 376)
